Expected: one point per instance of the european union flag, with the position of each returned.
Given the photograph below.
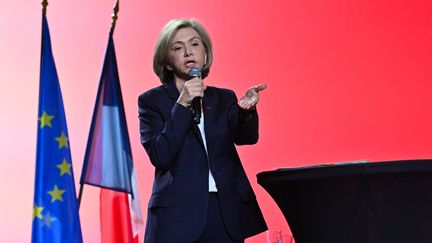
(108, 158)
(55, 211)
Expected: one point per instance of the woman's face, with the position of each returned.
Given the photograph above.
(186, 51)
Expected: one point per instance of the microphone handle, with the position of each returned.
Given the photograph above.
(196, 101)
(196, 108)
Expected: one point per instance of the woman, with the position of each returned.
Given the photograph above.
(200, 190)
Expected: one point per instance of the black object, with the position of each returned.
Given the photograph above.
(382, 202)
(196, 101)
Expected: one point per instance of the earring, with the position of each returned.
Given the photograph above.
(169, 67)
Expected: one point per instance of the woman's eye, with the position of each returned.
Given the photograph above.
(195, 44)
(177, 48)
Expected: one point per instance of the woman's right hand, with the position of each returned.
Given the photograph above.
(192, 88)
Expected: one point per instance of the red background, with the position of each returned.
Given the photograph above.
(347, 80)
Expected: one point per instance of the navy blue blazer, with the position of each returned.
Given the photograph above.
(177, 210)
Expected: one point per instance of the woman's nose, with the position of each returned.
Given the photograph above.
(188, 51)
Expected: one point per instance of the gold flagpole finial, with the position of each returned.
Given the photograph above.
(114, 15)
(44, 6)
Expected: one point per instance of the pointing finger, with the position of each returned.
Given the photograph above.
(260, 87)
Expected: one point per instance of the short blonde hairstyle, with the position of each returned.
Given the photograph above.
(160, 57)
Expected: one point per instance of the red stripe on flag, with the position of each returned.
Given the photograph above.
(115, 217)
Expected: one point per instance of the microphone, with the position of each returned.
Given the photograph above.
(196, 102)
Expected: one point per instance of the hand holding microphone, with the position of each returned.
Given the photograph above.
(192, 92)
(196, 102)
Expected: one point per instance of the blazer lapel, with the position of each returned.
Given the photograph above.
(197, 132)
(172, 91)
(209, 113)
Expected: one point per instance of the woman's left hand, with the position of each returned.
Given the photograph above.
(251, 97)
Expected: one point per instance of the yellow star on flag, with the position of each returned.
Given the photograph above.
(37, 212)
(45, 120)
(64, 168)
(62, 140)
(48, 219)
(56, 194)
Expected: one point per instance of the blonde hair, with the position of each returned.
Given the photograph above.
(160, 57)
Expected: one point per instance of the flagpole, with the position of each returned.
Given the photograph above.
(114, 16)
(44, 7)
(80, 195)
(113, 24)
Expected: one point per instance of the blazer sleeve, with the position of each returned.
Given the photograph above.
(243, 123)
(162, 135)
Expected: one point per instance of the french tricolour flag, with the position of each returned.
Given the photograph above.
(108, 159)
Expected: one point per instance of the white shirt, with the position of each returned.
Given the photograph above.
(212, 182)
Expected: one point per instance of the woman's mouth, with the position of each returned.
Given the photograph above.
(190, 64)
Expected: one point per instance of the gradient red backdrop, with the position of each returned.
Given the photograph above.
(347, 80)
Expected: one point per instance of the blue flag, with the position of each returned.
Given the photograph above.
(55, 209)
(108, 158)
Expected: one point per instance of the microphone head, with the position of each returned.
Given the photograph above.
(194, 72)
